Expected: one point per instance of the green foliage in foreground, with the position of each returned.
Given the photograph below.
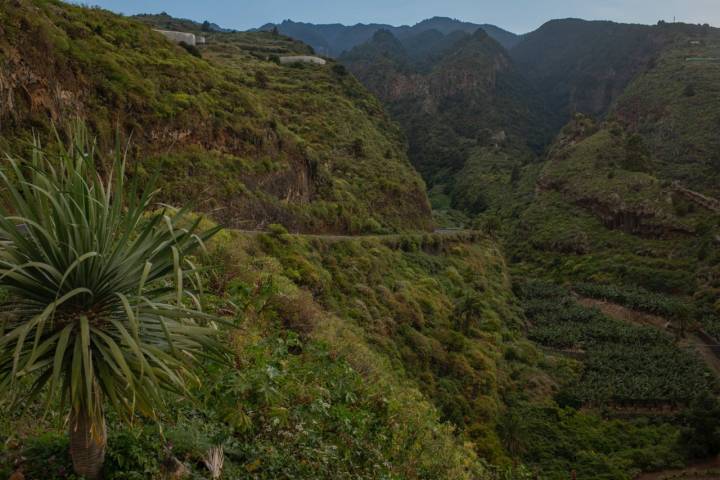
(293, 410)
(357, 359)
(318, 390)
(86, 273)
(439, 309)
(556, 441)
(95, 313)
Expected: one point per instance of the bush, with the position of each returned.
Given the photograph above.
(191, 49)
(339, 70)
(135, 453)
(48, 458)
(261, 79)
(298, 313)
(276, 230)
(701, 435)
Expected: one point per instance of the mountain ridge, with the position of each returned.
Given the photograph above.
(334, 39)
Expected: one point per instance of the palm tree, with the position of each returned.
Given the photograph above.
(99, 312)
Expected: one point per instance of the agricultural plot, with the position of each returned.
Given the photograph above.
(623, 364)
(695, 315)
(635, 298)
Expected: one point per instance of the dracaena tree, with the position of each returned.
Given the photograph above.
(101, 311)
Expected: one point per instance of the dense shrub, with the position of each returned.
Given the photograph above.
(191, 49)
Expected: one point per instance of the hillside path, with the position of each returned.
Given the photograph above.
(704, 201)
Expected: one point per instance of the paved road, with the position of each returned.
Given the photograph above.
(447, 232)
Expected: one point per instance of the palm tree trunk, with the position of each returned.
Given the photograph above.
(87, 445)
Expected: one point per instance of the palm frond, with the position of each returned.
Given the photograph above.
(99, 307)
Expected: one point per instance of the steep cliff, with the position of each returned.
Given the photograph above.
(453, 95)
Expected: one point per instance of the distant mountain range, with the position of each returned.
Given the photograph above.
(466, 103)
(334, 39)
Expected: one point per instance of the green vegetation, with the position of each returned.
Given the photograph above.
(249, 152)
(416, 300)
(398, 354)
(634, 298)
(559, 440)
(591, 220)
(569, 61)
(616, 370)
(95, 302)
(352, 359)
(459, 99)
(672, 107)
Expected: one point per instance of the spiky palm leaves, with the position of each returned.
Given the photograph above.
(99, 312)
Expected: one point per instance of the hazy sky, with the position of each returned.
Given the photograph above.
(516, 15)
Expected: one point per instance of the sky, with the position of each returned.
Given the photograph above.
(519, 16)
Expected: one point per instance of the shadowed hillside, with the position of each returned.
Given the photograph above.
(456, 96)
(581, 66)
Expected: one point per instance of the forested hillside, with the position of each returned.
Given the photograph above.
(458, 97)
(581, 66)
(673, 106)
(647, 169)
(245, 138)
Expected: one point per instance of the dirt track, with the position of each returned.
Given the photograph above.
(708, 470)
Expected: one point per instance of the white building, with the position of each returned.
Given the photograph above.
(302, 59)
(180, 37)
